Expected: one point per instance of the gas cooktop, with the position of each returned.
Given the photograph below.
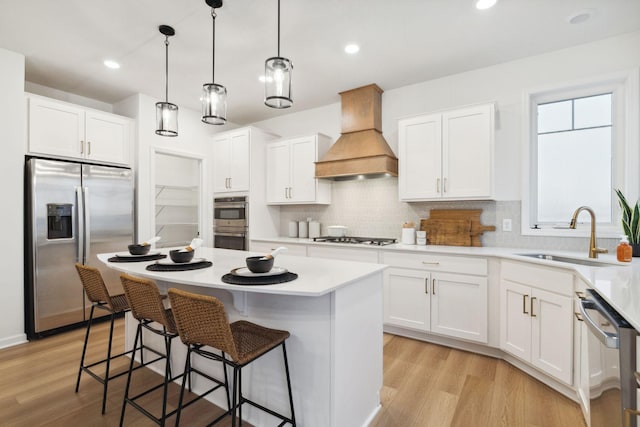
(378, 241)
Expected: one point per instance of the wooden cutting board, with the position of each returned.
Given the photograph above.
(475, 232)
(450, 232)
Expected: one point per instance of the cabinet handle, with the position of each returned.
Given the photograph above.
(286, 196)
(426, 285)
(81, 147)
(438, 185)
(578, 316)
(291, 192)
(444, 185)
(580, 295)
(524, 304)
(430, 263)
(88, 148)
(230, 184)
(433, 286)
(531, 306)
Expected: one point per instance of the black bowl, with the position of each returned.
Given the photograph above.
(139, 249)
(259, 264)
(179, 256)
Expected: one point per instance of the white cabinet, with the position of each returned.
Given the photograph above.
(536, 317)
(291, 171)
(447, 155)
(231, 161)
(428, 298)
(61, 129)
(268, 247)
(346, 254)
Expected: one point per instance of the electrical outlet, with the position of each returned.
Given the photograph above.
(506, 224)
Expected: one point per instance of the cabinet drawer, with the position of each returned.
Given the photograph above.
(541, 277)
(347, 254)
(436, 262)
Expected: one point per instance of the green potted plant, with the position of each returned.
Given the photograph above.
(630, 222)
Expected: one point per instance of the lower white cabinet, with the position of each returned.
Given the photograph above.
(444, 303)
(268, 247)
(536, 324)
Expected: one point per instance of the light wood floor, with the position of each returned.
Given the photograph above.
(424, 385)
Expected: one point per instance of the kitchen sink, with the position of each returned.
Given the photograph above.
(570, 260)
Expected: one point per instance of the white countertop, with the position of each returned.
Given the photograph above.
(315, 276)
(618, 283)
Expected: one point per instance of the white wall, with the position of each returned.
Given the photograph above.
(12, 111)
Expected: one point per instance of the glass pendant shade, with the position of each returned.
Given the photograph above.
(277, 85)
(166, 119)
(214, 104)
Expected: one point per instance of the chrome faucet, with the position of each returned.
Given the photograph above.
(594, 250)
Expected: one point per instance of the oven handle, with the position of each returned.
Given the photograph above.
(230, 234)
(229, 205)
(609, 339)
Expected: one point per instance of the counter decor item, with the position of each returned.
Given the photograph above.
(624, 252)
(303, 229)
(337, 231)
(127, 257)
(314, 229)
(293, 229)
(454, 227)
(630, 222)
(408, 234)
(421, 237)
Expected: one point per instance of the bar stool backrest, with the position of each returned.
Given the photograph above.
(93, 285)
(202, 319)
(145, 301)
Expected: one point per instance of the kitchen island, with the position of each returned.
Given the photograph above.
(333, 311)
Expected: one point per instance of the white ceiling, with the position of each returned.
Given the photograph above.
(402, 42)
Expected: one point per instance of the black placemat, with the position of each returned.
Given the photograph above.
(232, 279)
(179, 267)
(136, 258)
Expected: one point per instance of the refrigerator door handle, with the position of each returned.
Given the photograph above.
(87, 225)
(79, 226)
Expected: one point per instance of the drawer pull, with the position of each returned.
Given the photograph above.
(524, 304)
(531, 306)
(578, 316)
(430, 263)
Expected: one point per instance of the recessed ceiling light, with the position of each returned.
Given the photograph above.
(111, 64)
(485, 4)
(580, 17)
(352, 48)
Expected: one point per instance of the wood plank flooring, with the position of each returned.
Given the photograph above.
(424, 385)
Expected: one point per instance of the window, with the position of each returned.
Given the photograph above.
(577, 151)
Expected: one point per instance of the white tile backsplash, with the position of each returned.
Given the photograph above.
(370, 208)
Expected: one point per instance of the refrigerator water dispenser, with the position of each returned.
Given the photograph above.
(59, 221)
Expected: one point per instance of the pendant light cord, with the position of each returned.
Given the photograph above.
(213, 56)
(166, 69)
(278, 28)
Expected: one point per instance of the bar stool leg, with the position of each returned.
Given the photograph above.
(235, 395)
(84, 348)
(187, 372)
(167, 376)
(133, 358)
(226, 381)
(286, 370)
(240, 397)
(106, 375)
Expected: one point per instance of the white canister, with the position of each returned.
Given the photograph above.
(314, 229)
(303, 229)
(421, 237)
(293, 228)
(408, 236)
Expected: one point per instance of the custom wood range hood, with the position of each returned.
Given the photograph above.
(361, 151)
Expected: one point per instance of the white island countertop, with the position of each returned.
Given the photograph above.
(316, 277)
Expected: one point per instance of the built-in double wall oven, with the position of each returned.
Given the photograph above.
(231, 223)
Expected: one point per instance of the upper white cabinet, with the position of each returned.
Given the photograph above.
(231, 161)
(61, 129)
(447, 155)
(536, 317)
(291, 171)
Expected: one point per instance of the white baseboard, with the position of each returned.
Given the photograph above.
(14, 340)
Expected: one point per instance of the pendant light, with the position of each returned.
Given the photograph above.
(166, 112)
(277, 78)
(214, 96)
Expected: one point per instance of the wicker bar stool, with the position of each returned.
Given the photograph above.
(97, 293)
(202, 321)
(148, 308)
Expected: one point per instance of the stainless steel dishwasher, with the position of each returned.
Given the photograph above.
(612, 363)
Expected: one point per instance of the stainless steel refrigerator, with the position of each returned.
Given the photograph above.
(74, 211)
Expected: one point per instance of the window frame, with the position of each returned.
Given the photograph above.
(625, 157)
